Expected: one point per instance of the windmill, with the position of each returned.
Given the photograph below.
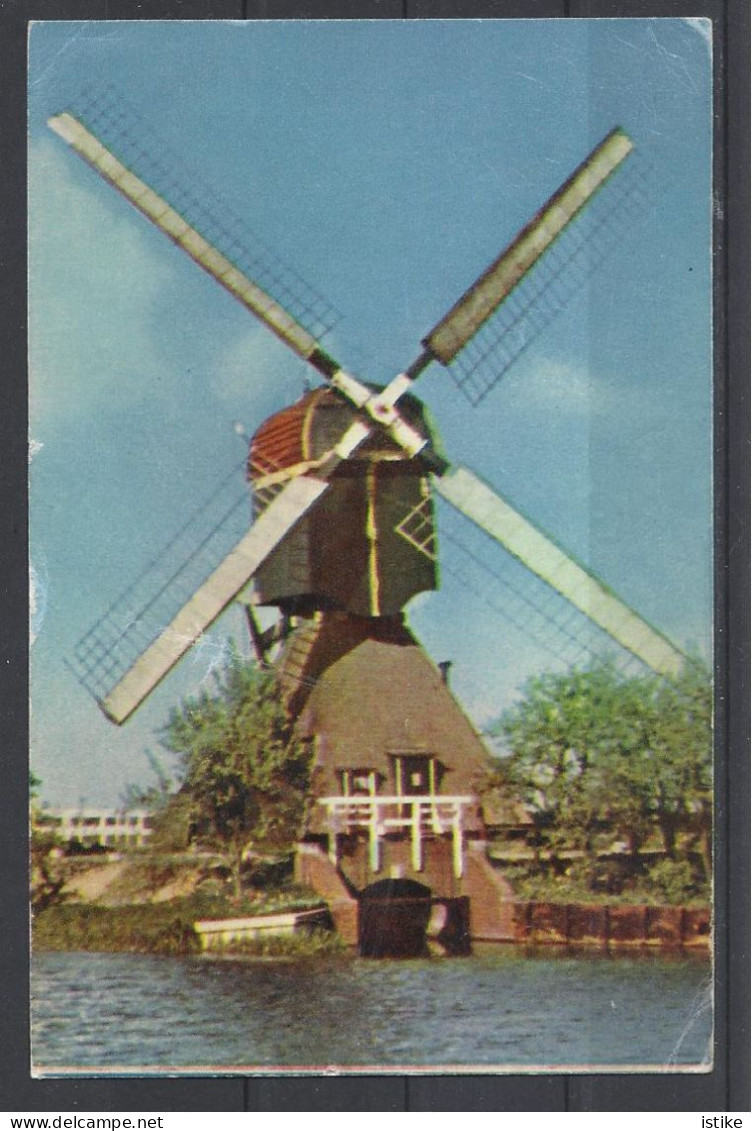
(344, 534)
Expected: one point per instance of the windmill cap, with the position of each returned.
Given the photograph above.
(306, 431)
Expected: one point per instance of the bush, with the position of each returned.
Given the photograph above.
(611, 877)
(610, 880)
(674, 880)
(268, 872)
(142, 929)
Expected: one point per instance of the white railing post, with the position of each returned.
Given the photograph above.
(443, 816)
(374, 846)
(458, 856)
(417, 841)
(332, 830)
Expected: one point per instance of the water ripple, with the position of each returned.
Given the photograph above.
(496, 1009)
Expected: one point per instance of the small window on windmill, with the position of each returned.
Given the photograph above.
(359, 783)
(416, 774)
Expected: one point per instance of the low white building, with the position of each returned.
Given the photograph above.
(109, 828)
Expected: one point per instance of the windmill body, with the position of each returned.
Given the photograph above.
(345, 554)
(396, 764)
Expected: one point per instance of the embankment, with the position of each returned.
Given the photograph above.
(582, 924)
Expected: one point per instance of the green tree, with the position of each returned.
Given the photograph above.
(35, 784)
(554, 734)
(682, 746)
(154, 796)
(597, 754)
(246, 775)
(47, 880)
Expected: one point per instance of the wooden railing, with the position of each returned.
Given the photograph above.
(418, 815)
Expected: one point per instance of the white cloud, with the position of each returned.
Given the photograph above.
(565, 392)
(554, 385)
(258, 373)
(93, 284)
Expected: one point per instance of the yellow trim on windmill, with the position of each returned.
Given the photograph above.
(372, 534)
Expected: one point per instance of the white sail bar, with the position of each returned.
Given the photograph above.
(253, 297)
(380, 407)
(479, 302)
(212, 598)
(583, 589)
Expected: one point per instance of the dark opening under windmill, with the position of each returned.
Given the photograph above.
(344, 534)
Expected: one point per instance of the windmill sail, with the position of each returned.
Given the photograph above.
(211, 598)
(543, 626)
(119, 687)
(243, 288)
(469, 313)
(156, 209)
(104, 114)
(534, 278)
(501, 521)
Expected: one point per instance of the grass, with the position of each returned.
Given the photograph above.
(155, 928)
(162, 928)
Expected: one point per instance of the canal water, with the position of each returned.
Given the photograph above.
(499, 1009)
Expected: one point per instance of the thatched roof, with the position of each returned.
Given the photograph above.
(365, 690)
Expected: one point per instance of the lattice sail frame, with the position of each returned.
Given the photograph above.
(551, 284)
(136, 618)
(561, 576)
(544, 266)
(491, 575)
(144, 155)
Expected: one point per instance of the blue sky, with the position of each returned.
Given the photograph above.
(388, 163)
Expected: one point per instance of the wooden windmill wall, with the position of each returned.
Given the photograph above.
(345, 554)
(397, 765)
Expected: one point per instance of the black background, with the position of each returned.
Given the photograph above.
(727, 1087)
